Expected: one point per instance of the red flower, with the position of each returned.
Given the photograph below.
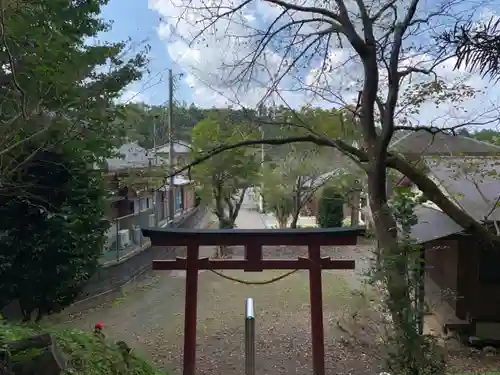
(99, 325)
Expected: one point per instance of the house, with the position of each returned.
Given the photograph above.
(181, 153)
(131, 155)
(138, 199)
(462, 282)
(184, 195)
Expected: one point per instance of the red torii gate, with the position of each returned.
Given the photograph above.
(254, 240)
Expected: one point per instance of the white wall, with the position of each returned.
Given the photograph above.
(132, 154)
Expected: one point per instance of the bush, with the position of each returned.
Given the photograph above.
(53, 233)
(87, 354)
(331, 211)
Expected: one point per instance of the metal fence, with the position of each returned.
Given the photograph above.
(125, 236)
(249, 337)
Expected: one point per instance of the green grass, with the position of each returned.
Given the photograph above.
(87, 354)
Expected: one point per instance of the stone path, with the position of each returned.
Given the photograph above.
(150, 318)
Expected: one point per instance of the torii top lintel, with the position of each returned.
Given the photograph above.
(234, 237)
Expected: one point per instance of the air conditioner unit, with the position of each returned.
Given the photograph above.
(136, 235)
(124, 238)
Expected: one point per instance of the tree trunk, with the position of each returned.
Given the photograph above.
(393, 270)
(355, 201)
(282, 222)
(224, 223)
(297, 204)
(390, 268)
(295, 219)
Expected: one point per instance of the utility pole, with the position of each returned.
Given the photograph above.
(171, 195)
(154, 164)
(261, 197)
(155, 158)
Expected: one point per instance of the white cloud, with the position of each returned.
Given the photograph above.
(216, 62)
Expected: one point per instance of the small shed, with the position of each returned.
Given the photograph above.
(462, 279)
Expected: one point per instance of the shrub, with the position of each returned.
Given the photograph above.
(331, 212)
(87, 353)
(53, 233)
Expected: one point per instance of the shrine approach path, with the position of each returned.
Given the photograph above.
(150, 317)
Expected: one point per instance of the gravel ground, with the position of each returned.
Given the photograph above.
(150, 319)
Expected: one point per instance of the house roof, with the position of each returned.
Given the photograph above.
(423, 143)
(315, 182)
(432, 224)
(473, 183)
(179, 148)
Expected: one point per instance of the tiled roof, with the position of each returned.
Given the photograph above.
(315, 182)
(424, 143)
(432, 224)
(179, 148)
(472, 182)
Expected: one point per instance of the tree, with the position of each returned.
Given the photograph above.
(382, 40)
(476, 46)
(297, 171)
(54, 89)
(292, 181)
(375, 116)
(58, 94)
(138, 122)
(487, 135)
(331, 208)
(53, 249)
(224, 179)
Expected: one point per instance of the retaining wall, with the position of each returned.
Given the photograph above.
(114, 275)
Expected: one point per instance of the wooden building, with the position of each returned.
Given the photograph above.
(462, 276)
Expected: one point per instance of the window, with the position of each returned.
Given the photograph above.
(178, 200)
(489, 266)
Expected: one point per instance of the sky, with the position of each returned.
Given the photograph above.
(135, 20)
(211, 68)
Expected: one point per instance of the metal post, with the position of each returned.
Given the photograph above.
(171, 196)
(249, 337)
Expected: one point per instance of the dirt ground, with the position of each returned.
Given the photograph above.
(150, 319)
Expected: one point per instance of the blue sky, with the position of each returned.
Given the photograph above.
(207, 84)
(133, 18)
